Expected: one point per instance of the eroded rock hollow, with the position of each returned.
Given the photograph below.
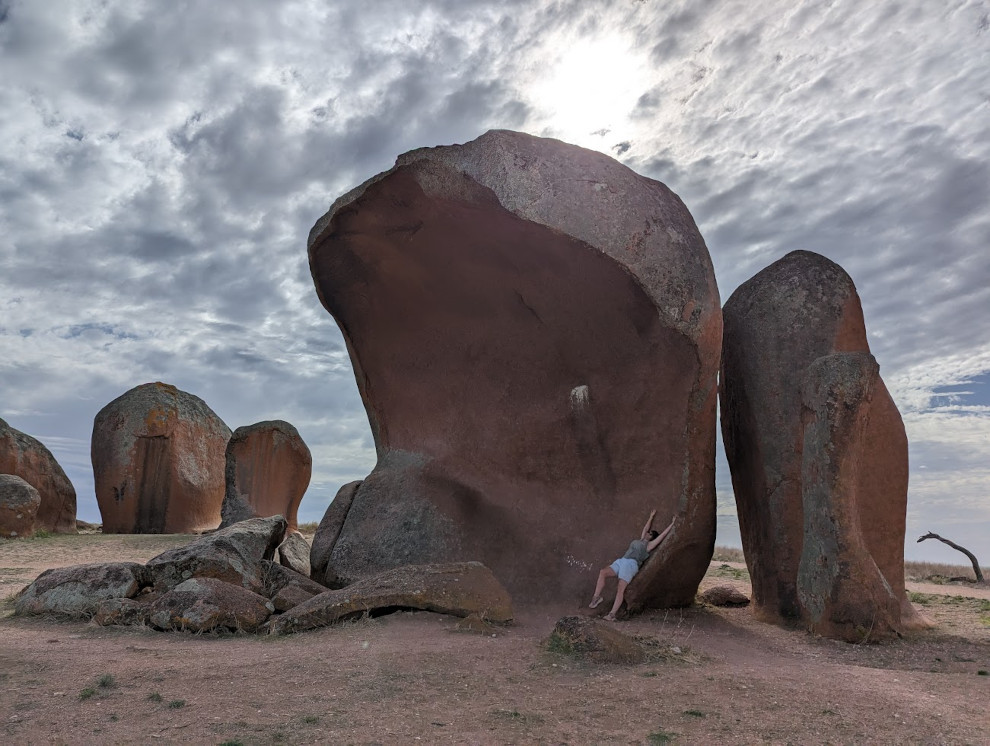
(799, 468)
(535, 332)
(158, 462)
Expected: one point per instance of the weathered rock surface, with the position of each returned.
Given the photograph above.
(294, 553)
(268, 468)
(842, 591)
(594, 641)
(535, 332)
(777, 324)
(158, 461)
(206, 605)
(232, 554)
(19, 503)
(724, 595)
(120, 612)
(28, 458)
(287, 588)
(78, 590)
(460, 589)
(327, 534)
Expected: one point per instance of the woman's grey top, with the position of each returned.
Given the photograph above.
(637, 551)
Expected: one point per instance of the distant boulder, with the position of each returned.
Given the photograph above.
(268, 468)
(158, 461)
(19, 503)
(29, 459)
(535, 333)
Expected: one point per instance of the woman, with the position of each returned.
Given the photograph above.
(628, 565)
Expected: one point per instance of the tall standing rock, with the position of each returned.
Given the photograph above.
(28, 458)
(267, 473)
(158, 460)
(535, 332)
(777, 324)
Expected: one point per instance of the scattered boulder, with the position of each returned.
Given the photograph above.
(268, 468)
(460, 589)
(28, 458)
(232, 554)
(294, 553)
(78, 590)
(842, 590)
(592, 640)
(535, 332)
(206, 604)
(724, 595)
(120, 612)
(287, 588)
(19, 503)
(158, 462)
(777, 324)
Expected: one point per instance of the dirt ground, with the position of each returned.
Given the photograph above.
(715, 676)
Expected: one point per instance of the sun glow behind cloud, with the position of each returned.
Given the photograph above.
(589, 91)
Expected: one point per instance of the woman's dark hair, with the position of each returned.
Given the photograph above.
(653, 534)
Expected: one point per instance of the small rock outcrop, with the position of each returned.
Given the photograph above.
(77, 591)
(29, 459)
(776, 326)
(592, 640)
(268, 468)
(294, 553)
(158, 462)
(19, 503)
(232, 554)
(460, 588)
(208, 605)
(535, 333)
(724, 595)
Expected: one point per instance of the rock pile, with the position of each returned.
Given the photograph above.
(817, 451)
(535, 332)
(158, 461)
(228, 581)
(28, 458)
(268, 468)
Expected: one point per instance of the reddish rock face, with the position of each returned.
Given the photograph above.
(158, 460)
(777, 325)
(19, 503)
(268, 471)
(535, 333)
(26, 457)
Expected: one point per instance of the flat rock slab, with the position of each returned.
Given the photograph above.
(78, 590)
(458, 588)
(724, 595)
(207, 605)
(593, 640)
(232, 554)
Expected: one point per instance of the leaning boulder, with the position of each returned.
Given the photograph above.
(158, 461)
(208, 605)
(78, 590)
(294, 553)
(460, 589)
(268, 467)
(232, 554)
(777, 324)
(19, 503)
(842, 590)
(28, 458)
(535, 333)
(327, 533)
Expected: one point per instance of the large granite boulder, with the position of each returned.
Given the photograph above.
(459, 588)
(535, 333)
(267, 473)
(777, 324)
(28, 458)
(77, 591)
(158, 462)
(233, 555)
(19, 503)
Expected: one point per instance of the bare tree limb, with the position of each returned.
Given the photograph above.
(972, 557)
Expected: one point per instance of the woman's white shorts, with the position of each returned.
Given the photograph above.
(625, 568)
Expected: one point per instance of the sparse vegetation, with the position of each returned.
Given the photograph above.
(87, 693)
(177, 704)
(106, 681)
(155, 697)
(728, 554)
(694, 713)
(660, 737)
(311, 720)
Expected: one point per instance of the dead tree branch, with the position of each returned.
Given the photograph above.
(972, 557)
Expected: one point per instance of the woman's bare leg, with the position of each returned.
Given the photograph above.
(603, 575)
(620, 594)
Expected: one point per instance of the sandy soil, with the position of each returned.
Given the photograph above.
(716, 676)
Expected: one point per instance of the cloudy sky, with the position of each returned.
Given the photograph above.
(162, 163)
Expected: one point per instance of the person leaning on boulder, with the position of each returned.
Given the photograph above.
(628, 564)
